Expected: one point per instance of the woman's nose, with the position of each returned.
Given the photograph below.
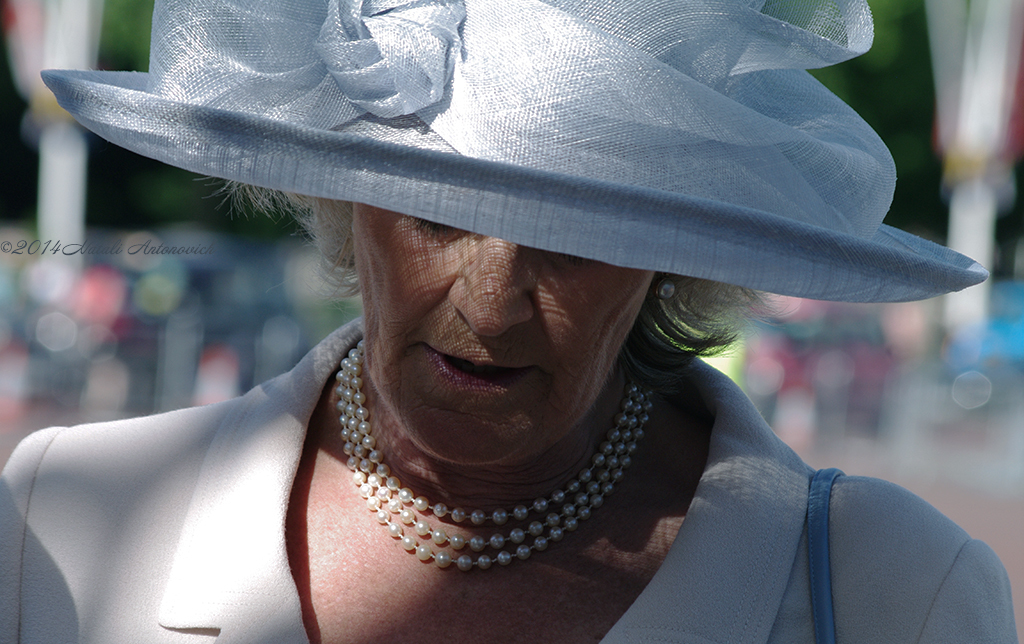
(494, 290)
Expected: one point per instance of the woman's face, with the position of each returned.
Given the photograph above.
(484, 351)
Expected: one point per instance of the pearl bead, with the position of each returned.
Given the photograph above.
(571, 524)
(552, 519)
(422, 528)
(540, 505)
(383, 517)
(359, 398)
(421, 503)
(516, 536)
(359, 477)
(374, 480)
(556, 534)
(352, 463)
(393, 483)
(477, 543)
(596, 501)
(483, 562)
(477, 517)
(523, 552)
(373, 503)
(439, 536)
(365, 490)
(568, 510)
(442, 559)
(405, 495)
(583, 513)
(369, 442)
(383, 494)
(593, 487)
(585, 475)
(424, 553)
(407, 517)
(520, 512)
(607, 488)
(408, 543)
(382, 469)
(540, 543)
(394, 506)
(504, 558)
(458, 541)
(497, 541)
(581, 499)
(536, 528)
(557, 496)
(365, 466)
(395, 530)
(465, 563)
(440, 509)
(499, 517)
(458, 515)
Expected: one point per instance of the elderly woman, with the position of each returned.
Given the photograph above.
(550, 209)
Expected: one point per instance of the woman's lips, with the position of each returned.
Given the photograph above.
(464, 373)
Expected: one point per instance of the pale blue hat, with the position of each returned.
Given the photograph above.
(674, 135)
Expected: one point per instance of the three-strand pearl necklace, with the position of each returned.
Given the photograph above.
(555, 515)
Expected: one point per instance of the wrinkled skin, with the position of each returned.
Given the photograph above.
(547, 326)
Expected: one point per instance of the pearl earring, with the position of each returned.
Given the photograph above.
(665, 289)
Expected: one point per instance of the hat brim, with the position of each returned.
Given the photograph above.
(616, 223)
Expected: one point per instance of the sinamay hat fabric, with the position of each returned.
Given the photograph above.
(674, 135)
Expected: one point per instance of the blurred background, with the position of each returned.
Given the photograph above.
(928, 394)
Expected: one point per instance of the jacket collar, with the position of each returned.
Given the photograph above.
(725, 575)
(230, 571)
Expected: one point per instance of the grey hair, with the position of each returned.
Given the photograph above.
(702, 319)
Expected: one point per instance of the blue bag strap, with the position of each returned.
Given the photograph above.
(817, 545)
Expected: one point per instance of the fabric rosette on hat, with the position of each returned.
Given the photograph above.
(682, 136)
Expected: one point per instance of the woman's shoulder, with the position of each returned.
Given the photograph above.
(898, 563)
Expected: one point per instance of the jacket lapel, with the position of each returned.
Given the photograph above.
(230, 572)
(725, 575)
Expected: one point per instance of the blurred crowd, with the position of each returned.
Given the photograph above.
(826, 373)
(112, 334)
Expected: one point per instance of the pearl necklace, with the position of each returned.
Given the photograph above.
(558, 513)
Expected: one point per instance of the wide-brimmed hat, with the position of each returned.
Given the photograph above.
(682, 136)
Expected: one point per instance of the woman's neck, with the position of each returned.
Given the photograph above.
(490, 486)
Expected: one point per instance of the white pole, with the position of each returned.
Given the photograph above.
(972, 220)
(974, 110)
(70, 42)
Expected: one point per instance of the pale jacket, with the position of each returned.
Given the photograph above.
(170, 529)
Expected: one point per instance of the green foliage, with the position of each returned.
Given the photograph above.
(124, 40)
